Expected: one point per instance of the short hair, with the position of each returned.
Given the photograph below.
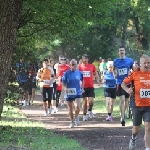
(85, 56)
(73, 61)
(144, 56)
(45, 60)
(121, 46)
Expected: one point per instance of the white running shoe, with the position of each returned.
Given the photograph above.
(132, 144)
(49, 110)
(62, 104)
(46, 114)
(77, 121)
(71, 125)
(91, 115)
(56, 109)
(85, 118)
(25, 103)
(20, 103)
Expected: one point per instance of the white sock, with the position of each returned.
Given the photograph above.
(147, 149)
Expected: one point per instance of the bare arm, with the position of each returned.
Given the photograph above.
(96, 76)
(125, 87)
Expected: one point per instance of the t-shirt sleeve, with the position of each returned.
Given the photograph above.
(94, 69)
(81, 76)
(129, 78)
(64, 78)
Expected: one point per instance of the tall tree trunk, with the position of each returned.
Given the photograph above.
(9, 20)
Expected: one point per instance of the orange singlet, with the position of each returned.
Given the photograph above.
(46, 76)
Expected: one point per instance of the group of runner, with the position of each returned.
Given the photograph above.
(26, 78)
(123, 77)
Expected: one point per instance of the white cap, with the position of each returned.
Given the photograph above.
(100, 57)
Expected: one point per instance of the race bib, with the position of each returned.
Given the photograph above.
(122, 71)
(71, 91)
(86, 74)
(144, 93)
(46, 82)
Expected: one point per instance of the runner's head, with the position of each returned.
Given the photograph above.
(63, 60)
(121, 52)
(85, 59)
(45, 63)
(73, 64)
(145, 63)
(110, 66)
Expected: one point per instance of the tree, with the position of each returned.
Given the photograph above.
(9, 20)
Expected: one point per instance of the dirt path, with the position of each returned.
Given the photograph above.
(96, 134)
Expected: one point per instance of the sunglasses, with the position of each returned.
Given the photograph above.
(63, 59)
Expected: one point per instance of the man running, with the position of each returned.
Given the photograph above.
(140, 100)
(88, 71)
(73, 82)
(122, 66)
(62, 68)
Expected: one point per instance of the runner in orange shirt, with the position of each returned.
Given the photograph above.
(45, 77)
(140, 100)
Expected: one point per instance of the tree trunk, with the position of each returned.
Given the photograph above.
(9, 20)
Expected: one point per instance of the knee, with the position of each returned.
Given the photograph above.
(147, 127)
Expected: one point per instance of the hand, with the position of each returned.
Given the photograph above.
(129, 91)
(104, 81)
(83, 90)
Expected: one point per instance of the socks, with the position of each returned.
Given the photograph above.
(134, 137)
(147, 149)
(109, 114)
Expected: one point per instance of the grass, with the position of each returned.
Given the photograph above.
(100, 105)
(18, 133)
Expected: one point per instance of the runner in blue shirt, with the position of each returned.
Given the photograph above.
(109, 89)
(122, 66)
(73, 83)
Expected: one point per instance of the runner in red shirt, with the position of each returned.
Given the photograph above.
(140, 100)
(88, 71)
(62, 68)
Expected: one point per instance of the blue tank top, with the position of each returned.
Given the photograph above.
(123, 67)
(110, 80)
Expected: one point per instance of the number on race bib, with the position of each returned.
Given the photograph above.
(144, 93)
(122, 71)
(46, 82)
(86, 74)
(71, 91)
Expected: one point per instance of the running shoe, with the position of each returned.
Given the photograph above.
(109, 118)
(49, 110)
(77, 121)
(123, 122)
(25, 103)
(132, 144)
(91, 115)
(71, 125)
(62, 104)
(85, 118)
(46, 114)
